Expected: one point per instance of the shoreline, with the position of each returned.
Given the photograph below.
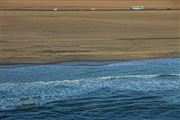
(64, 62)
(84, 61)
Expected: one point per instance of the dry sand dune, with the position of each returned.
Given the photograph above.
(50, 36)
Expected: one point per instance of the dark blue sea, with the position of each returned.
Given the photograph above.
(131, 90)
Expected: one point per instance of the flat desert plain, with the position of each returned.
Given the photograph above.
(62, 36)
(34, 4)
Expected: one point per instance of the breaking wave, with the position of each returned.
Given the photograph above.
(17, 95)
(91, 89)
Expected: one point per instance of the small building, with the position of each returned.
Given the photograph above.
(137, 8)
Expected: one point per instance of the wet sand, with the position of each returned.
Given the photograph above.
(57, 36)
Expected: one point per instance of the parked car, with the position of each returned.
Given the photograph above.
(137, 8)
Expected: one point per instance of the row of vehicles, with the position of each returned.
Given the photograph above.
(131, 8)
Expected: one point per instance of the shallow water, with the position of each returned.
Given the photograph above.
(138, 90)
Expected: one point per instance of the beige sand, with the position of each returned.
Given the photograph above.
(50, 36)
(89, 3)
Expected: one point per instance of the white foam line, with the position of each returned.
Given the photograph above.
(57, 82)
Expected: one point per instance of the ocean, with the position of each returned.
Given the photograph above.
(127, 90)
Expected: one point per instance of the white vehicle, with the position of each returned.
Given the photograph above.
(92, 9)
(55, 9)
(137, 8)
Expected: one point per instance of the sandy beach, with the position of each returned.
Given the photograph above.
(90, 60)
(34, 4)
(62, 36)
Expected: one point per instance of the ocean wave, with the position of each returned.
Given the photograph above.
(16, 95)
(142, 76)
